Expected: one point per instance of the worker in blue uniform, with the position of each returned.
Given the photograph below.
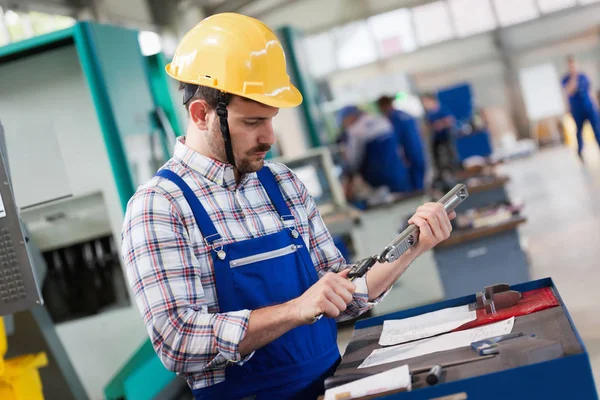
(371, 150)
(409, 139)
(443, 125)
(227, 255)
(582, 103)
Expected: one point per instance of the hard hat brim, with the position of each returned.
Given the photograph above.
(288, 98)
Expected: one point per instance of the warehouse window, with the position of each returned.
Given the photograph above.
(547, 6)
(355, 45)
(432, 23)
(16, 26)
(320, 52)
(393, 32)
(511, 12)
(472, 16)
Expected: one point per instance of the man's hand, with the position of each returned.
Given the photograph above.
(434, 226)
(329, 296)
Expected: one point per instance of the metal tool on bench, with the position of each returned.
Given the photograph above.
(407, 238)
(490, 345)
(497, 297)
(436, 369)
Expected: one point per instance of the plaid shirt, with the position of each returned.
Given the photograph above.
(169, 267)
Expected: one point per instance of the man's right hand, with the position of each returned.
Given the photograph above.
(329, 296)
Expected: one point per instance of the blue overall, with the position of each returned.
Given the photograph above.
(296, 364)
(409, 138)
(583, 108)
(443, 143)
(382, 166)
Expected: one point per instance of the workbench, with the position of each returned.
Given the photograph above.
(471, 258)
(486, 193)
(500, 377)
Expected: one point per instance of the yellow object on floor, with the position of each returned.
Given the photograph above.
(21, 379)
(3, 345)
(19, 376)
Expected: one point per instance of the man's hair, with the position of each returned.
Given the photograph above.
(208, 94)
(429, 95)
(385, 101)
(570, 58)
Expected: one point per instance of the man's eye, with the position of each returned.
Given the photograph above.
(251, 122)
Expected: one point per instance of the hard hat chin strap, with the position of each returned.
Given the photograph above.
(222, 113)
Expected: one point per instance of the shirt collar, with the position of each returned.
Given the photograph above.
(214, 170)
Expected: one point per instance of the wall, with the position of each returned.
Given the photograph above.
(99, 345)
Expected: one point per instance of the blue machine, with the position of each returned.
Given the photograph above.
(459, 99)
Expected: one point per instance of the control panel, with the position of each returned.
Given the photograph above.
(18, 285)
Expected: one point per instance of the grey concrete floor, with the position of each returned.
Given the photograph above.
(562, 235)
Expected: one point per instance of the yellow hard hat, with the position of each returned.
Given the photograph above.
(236, 54)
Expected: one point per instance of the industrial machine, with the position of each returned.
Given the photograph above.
(87, 119)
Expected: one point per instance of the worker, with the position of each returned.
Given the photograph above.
(227, 256)
(408, 135)
(371, 150)
(582, 103)
(443, 125)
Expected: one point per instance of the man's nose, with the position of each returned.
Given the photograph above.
(268, 134)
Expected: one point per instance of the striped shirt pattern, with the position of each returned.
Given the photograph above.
(169, 266)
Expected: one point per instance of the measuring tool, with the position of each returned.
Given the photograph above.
(407, 238)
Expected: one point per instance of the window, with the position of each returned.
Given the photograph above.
(547, 6)
(393, 32)
(320, 52)
(472, 16)
(14, 23)
(432, 23)
(355, 45)
(514, 11)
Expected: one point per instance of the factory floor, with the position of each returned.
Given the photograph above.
(562, 233)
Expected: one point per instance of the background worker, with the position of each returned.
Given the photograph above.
(442, 124)
(227, 256)
(371, 150)
(409, 139)
(582, 103)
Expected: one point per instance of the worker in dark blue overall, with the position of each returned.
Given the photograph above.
(228, 258)
(582, 103)
(371, 150)
(409, 139)
(442, 124)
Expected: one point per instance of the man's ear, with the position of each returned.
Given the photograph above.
(199, 111)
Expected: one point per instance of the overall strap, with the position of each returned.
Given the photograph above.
(267, 179)
(202, 219)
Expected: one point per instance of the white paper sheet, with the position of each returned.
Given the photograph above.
(396, 378)
(448, 341)
(398, 331)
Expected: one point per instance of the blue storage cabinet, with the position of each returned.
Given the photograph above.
(568, 377)
(474, 144)
(484, 198)
(469, 265)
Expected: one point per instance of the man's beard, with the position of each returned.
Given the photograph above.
(243, 164)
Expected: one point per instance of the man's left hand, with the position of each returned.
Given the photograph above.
(434, 226)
